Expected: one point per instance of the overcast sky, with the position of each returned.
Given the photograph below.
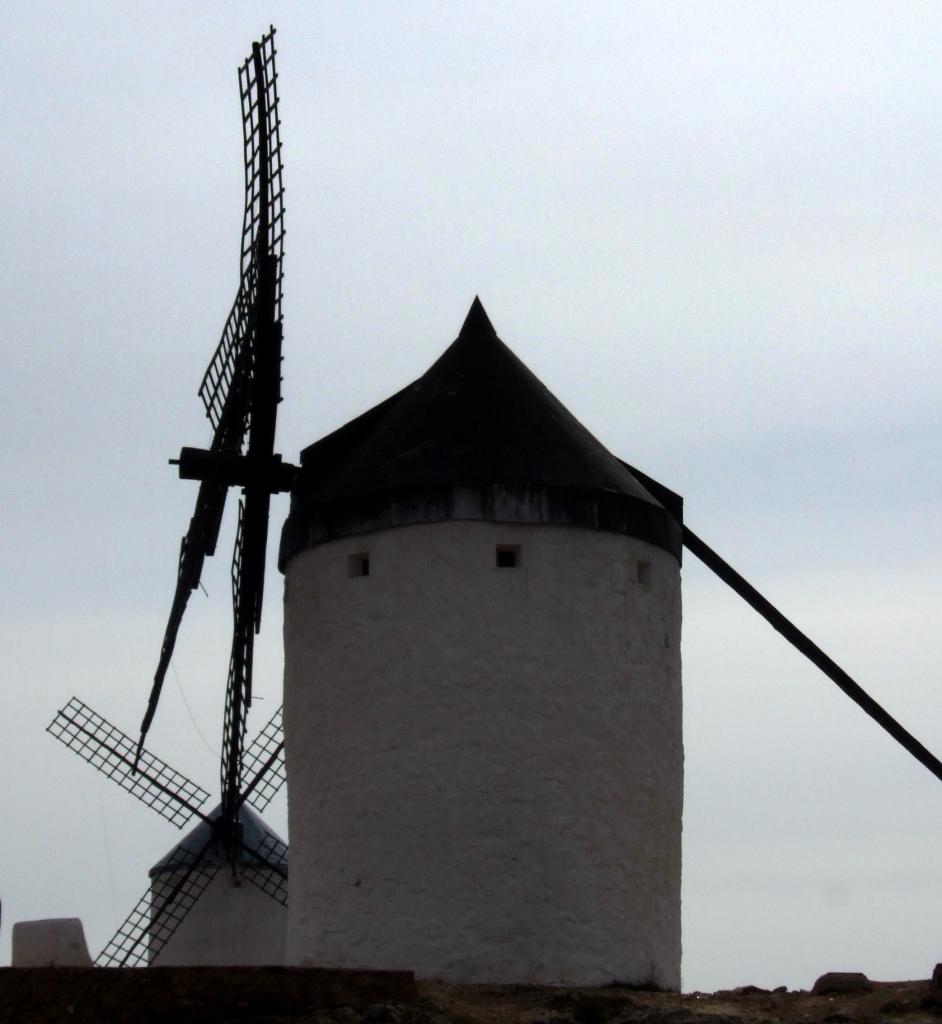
(711, 229)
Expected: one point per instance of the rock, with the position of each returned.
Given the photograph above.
(51, 942)
(671, 1015)
(835, 982)
(937, 978)
(395, 1013)
(931, 1002)
(750, 990)
(380, 1013)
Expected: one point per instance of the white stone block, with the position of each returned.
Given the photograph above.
(51, 942)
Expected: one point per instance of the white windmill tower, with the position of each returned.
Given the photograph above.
(482, 690)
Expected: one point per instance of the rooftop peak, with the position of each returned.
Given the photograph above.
(477, 321)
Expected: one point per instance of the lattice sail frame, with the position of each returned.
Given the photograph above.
(239, 682)
(226, 384)
(169, 792)
(264, 214)
(268, 748)
(265, 872)
(156, 916)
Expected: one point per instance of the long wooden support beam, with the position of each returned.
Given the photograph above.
(810, 650)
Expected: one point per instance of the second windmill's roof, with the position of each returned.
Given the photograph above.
(256, 835)
(478, 418)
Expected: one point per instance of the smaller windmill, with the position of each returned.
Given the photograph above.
(258, 856)
(240, 392)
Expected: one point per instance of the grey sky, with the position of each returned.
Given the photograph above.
(711, 229)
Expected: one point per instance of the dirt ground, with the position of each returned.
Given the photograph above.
(296, 996)
(908, 1002)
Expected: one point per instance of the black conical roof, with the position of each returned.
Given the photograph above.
(477, 420)
(254, 834)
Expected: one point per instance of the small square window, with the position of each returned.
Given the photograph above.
(508, 556)
(643, 573)
(358, 564)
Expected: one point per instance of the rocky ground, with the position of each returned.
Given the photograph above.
(280, 996)
(886, 1003)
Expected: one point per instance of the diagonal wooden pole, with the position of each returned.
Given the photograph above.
(810, 650)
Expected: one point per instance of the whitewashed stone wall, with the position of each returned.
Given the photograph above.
(233, 923)
(50, 942)
(485, 765)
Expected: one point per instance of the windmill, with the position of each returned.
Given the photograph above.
(240, 392)
(481, 619)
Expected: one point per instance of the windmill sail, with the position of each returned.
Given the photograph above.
(263, 219)
(266, 866)
(169, 792)
(156, 916)
(263, 763)
(239, 682)
(240, 392)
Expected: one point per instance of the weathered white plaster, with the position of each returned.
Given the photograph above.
(485, 765)
(233, 923)
(51, 942)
